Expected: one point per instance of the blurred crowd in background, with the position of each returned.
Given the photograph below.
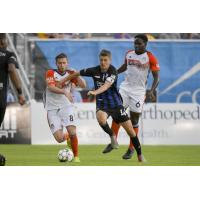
(151, 36)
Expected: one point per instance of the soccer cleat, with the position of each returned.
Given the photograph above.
(76, 159)
(141, 158)
(128, 155)
(114, 142)
(108, 149)
(2, 160)
(113, 145)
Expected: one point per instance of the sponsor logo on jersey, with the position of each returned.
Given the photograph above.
(137, 63)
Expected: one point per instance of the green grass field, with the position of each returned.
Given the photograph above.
(90, 155)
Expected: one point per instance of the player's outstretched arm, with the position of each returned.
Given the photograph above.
(122, 69)
(100, 90)
(55, 89)
(68, 78)
(14, 76)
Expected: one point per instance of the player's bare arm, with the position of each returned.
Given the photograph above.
(55, 89)
(14, 76)
(68, 78)
(51, 85)
(100, 90)
(156, 79)
(122, 69)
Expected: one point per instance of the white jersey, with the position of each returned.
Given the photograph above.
(52, 100)
(138, 67)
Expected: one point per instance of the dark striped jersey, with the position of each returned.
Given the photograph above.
(6, 57)
(111, 98)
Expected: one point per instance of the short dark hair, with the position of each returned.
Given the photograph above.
(105, 52)
(143, 37)
(2, 36)
(61, 55)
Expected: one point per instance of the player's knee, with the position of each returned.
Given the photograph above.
(134, 122)
(59, 137)
(135, 118)
(72, 134)
(71, 130)
(102, 122)
(101, 118)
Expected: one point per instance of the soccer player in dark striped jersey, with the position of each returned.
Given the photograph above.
(108, 100)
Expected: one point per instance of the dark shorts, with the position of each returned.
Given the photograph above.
(2, 113)
(118, 114)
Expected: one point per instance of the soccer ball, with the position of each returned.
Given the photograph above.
(65, 155)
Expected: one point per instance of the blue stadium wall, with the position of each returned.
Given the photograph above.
(176, 58)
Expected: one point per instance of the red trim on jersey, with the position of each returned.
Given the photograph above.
(154, 66)
(50, 78)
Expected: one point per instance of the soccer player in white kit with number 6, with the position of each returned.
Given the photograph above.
(138, 63)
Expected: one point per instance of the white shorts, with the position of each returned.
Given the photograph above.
(60, 118)
(133, 101)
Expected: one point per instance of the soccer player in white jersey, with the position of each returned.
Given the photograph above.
(59, 103)
(138, 63)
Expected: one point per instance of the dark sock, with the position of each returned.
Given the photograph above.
(136, 144)
(107, 129)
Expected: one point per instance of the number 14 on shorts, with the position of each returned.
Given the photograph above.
(123, 112)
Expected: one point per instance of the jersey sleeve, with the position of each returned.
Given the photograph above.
(12, 59)
(87, 72)
(113, 76)
(154, 66)
(50, 78)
